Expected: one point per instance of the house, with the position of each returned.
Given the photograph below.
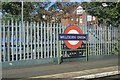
(77, 17)
(73, 16)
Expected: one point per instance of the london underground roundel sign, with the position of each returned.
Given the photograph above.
(73, 44)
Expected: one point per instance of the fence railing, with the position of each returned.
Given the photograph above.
(102, 40)
(30, 41)
(37, 40)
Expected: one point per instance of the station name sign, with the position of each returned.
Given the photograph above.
(72, 36)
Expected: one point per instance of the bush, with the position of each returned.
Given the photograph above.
(117, 47)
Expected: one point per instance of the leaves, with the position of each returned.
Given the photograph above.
(110, 14)
(14, 9)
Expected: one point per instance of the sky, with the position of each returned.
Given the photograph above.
(49, 5)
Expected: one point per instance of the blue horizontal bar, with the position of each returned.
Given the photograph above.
(72, 36)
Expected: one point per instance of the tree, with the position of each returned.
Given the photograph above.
(14, 9)
(106, 15)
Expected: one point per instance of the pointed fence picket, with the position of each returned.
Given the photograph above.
(38, 40)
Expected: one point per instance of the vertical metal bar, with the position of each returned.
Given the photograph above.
(60, 31)
(51, 37)
(22, 13)
(27, 40)
(85, 22)
(38, 41)
(59, 60)
(4, 48)
(118, 47)
(101, 33)
(34, 52)
(31, 30)
(103, 40)
(88, 42)
(94, 30)
(108, 41)
(45, 40)
(20, 42)
(0, 41)
(62, 52)
(12, 41)
(16, 26)
(117, 34)
(24, 49)
(88, 29)
(86, 50)
(112, 38)
(8, 40)
(57, 27)
(54, 40)
(41, 27)
(48, 40)
(21, 30)
(97, 41)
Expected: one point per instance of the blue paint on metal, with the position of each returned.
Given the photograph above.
(72, 36)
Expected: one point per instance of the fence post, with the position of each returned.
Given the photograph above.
(20, 40)
(0, 47)
(60, 31)
(16, 26)
(41, 27)
(59, 58)
(0, 41)
(87, 49)
(44, 40)
(31, 31)
(27, 41)
(54, 39)
(47, 40)
(108, 39)
(34, 41)
(59, 47)
(101, 41)
(51, 48)
(38, 40)
(57, 32)
(12, 41)
(8, 41)
(4, 50)
(24, 43)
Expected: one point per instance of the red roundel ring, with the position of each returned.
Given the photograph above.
(67, 43)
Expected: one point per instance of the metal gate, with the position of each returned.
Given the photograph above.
(38, 40)
(33, 40)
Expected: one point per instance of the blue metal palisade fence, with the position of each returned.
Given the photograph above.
(39, 40)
